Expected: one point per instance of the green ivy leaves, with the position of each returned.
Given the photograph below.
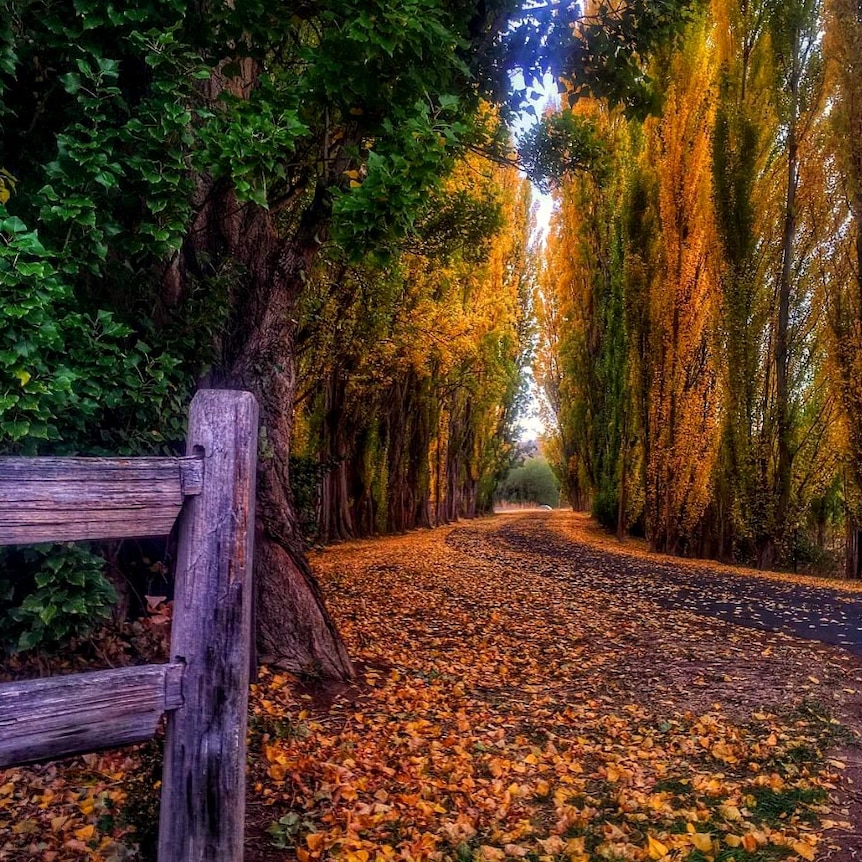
(560, 144)
(74, 380)
(70, 595)
(248, 140)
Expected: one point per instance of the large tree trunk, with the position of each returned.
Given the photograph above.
(336, 517)
(396, 434)
(408, 433)
(364, 464)
(267, 272)
(419, 467)
(294, 630)
(622, 498)
(853, 550)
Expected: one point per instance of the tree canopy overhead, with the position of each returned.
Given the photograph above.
(176, 177)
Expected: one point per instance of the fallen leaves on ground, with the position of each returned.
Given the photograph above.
(67, 810)
(492, 723)
(507, 708)
(85, 807)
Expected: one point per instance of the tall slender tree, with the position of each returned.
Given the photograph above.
(682, 299)
(843, 294)
(743, 139)
(794, 29)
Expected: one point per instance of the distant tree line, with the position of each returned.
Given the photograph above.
(532, 482)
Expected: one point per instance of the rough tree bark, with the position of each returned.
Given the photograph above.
(336, 517)
(852, 548)
(294, 630)
(396, 434)
(419, 468)
(408, 435)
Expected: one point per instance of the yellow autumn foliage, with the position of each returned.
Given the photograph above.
(843, 277)
(683, 395)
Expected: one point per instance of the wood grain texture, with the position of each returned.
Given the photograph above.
(72, 499)
(59, 716)
(203, 791)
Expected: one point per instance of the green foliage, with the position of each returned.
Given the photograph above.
(777, 806)
(100, 146)
(71, 380)
(608, 395)
(605, 507)
(95, 146)
(416, 150)
(560, 144)
(365, 104)
(247, 139)
(734, 176)
(608, 54)
(286, 832)
(456, 222)
(532, 482)
(586, 284)
(795, 37)
(110, 167)
(375, 56)
(305, 474)
(70, 594)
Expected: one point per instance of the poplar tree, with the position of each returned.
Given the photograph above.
(843, 47)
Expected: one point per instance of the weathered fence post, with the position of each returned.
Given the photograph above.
(203, 793)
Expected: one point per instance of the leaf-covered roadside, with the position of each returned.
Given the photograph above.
(101, 807)
(493, 723)
(68, 810)
(505, 710)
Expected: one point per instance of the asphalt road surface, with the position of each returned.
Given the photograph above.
(823, 614)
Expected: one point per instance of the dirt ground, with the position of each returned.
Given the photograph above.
(534, 632)
(529, 689)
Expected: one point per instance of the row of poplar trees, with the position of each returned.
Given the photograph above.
(700, 295)
(411, 369)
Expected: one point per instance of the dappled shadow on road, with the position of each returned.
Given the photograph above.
(686, 659)
(829, 615)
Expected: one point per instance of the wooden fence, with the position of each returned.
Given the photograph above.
(204, 688)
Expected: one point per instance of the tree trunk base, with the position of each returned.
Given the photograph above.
(306, 642)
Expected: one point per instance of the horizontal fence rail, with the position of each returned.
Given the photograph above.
(81, 712)
(75, 499)
(203, 691)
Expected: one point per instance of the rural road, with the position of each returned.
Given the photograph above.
(811, 612)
